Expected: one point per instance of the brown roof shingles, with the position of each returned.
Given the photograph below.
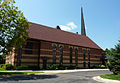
(40, 32)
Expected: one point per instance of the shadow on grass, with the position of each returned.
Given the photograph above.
(26, 77)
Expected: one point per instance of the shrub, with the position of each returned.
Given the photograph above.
(72, 67)
(1, 65)
(52, 67)
(99, 66)
(6, 66)
(33, 67)
(61, 67)
(114, 65)
(27, 67)
(9, 66)
(22, 67)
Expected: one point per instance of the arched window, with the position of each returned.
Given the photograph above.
(76, 56)
(54, 54)
(61, 55)
(84, 63)
(28, 48)
(70, 55)
(88, 51)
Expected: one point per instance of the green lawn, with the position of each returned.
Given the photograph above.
(111, 76)
(19, 72)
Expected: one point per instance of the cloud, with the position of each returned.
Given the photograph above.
(66, 28)
(69, 26)
(72, 25)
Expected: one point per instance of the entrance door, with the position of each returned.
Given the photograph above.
(44, 62)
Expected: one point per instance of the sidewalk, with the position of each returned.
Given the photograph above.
(67, 71)
(60, 71)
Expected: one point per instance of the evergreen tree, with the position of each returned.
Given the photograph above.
(114, 62)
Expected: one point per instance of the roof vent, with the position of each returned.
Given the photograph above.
(58, 27)
(76, 32)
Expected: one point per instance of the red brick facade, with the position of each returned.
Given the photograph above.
(46, 50)
(49, 45)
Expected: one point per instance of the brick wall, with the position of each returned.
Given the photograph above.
(47, 50)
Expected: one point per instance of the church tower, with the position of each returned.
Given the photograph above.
(83, 32)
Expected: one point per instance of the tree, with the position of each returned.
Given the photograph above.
(13, 26)
(114, 62)
(2, 59)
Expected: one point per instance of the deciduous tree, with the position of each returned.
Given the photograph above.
(13, 26)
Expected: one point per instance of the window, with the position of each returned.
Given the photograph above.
(70, 55)
(88, 51)
(76, 56)
(54, 54)
(61, 55)
(29, 45)
(28, 48)
(28, 52)
(84, 63)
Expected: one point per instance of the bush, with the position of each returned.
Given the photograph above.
(6, 66)
(9, 66)
(1, 65)
(52, 67)
(33, 67)
(22, 68)
(99, 66)
(27, 67)
(60, 67)
(57, 67)
(114, 65)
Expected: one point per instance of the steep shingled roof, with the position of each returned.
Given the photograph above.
(41, 32)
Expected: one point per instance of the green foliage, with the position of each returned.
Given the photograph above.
(1, 69)
(27, 67)
(6, 66)
(56, 67)
(13, 26)
(1, 60)
(99, 66)
(22, 68)
(114, 63)
(9, 66)
(52, 67)
(60, 67)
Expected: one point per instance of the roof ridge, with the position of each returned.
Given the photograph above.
(56, 29)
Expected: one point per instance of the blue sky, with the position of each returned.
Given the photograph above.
(102, 17)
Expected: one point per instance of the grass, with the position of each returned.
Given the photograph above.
(111, 76)
(19, 72)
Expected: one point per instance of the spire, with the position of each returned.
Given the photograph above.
(83, 32)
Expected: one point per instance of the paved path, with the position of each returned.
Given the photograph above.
(71, 77)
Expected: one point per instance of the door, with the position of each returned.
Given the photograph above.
(44, 62)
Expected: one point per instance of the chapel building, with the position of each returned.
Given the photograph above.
(47, 45)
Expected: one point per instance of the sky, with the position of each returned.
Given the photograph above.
(102, 17)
